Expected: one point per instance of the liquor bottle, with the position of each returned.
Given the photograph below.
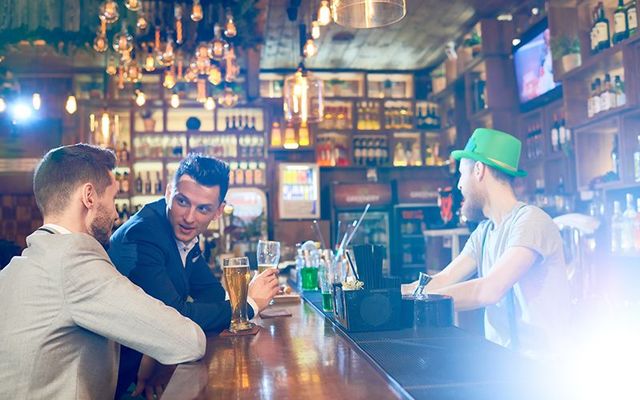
(605, 94)
(632, 18)
(124, 153)
(621, 97)
(119, 182)
(604, 34)
(147, 184)
(615, 157)
(620, 24)
(554, 134)
(597, 103)
(138, 183)
(617, 223)
(559, 197)
(629, 219)
(593, 33)
(276, 135)
(636, 161)
(158, 183)
(125, 213)
(124, 183)
(590, 106)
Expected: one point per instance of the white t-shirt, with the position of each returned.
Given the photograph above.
(541, 296)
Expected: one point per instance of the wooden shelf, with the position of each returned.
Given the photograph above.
(616, 185)
(605, 57)
(603, 116)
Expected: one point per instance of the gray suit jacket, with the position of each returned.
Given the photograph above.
(63, 310)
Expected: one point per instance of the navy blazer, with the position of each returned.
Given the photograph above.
(144, 249)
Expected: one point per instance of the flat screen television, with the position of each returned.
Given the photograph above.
(534, 68)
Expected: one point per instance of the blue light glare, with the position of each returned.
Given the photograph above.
(20, 111)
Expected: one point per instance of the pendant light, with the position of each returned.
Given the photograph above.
(368, 13)
(303, 100)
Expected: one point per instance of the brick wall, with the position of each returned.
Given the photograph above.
(19, 216)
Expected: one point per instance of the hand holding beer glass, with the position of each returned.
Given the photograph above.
(268, 255)
(236, 278)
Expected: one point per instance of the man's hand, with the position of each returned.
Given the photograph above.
(152, 378)
(263, 287)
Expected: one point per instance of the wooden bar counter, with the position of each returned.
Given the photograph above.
(306, 356)
(299, 357)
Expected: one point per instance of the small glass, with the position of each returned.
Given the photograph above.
(268, 255)
(309, 276)
(325, 276)
(237, 277)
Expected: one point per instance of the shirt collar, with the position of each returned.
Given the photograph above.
(60, 229)
(186, 248)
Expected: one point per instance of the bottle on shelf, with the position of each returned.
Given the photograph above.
(563, 140)
(620, 24)
(124, 183)
(119, 182)
(621, 98)
(602, 26)
(632, 18)
(597, 104)
(147, 184)
(138, 184)
(555, 144)
(636, 161)
(606, 102)
(158, 188)
(615, 157)
(560, 197)
(627, 242)
(617, 226)
(593, 33)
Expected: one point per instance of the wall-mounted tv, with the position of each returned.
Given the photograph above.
(534, 68)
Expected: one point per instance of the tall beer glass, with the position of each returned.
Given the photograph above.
(236, 278)
(268, 255)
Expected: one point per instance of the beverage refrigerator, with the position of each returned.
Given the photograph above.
(350, 200)
(415, 211)
(298, 191)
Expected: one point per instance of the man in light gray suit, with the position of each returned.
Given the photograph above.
(64, 308)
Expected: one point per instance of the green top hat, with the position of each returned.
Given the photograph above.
(494, 148)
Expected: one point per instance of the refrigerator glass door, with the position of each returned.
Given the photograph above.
(299, 191)
(373, 230)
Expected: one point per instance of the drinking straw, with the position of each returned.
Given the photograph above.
(357, 225)
(351, 265)
(316, 229)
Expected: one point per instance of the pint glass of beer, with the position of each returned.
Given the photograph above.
(268, 255)
(236, 278)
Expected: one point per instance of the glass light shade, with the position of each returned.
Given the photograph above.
(140, 98)
(169, 79)
(303, 100)
(324, 13)
(210, 104)
(230, 29)
(112, 66)
(133, 72)
(100, 44)
(175, 100)
(310, 49)
(109, 11)
(290, 140)
(142, 24)
(315, 30)
(122, 41)
(368, 13)
(133, 5)
(215, 76)
(196, 11)
(149, 63)
(168, 55)
(72, 105)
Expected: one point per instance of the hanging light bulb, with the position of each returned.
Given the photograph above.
(303, 101)
(210, 104)
(231, 66)
(112, 66)
(169, 79)
(133, 72)
(133, 5)
(149, 61)
(141, 98)
(123, 41)
(175, 100)
(71, 105)
(315, 30)
(109, 11)
(215, 76)
(290, 141)
(324, 13)
(121, 77)
(100, 44)
(36, 101)
(168, 54)
(177, 12)
(230, 29)
(309, 50)
(196, 11)
(218, 45)
(141, 23)
(3, 105)
(228, 98)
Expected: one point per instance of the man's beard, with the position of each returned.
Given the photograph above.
(101, 227)
(472, 208)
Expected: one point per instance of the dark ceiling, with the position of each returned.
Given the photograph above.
(415, 42)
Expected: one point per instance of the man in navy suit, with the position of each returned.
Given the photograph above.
(158, 250)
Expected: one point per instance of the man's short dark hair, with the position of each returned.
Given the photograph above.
(502, 176)
(207, 171)
(63, 169)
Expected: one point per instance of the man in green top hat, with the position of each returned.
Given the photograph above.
(516, 252)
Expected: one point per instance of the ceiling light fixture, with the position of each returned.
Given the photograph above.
(368, 13)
